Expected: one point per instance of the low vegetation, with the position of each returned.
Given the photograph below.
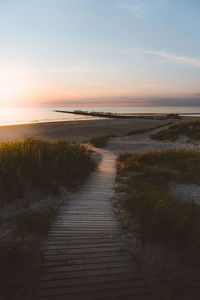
(101, 141)
(140, 131)
(188, 129)
(35, 177)
(143, 190)
(37, 163)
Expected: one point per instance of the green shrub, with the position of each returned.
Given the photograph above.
(145, 179)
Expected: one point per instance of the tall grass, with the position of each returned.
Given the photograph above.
(190, 129)
(30, 174)
(144, 180)
(42, 164)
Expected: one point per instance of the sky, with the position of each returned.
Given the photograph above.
(99, 52)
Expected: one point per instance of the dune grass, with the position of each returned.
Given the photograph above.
(41, 164)
(189, 129)
(100, 141)
(35, 177)
(144, 180)
(140, 131)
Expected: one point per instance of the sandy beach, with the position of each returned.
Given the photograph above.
(76, 130)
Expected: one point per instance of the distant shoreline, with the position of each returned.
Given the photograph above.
(22, 116)
(184, 115)
(46, 122)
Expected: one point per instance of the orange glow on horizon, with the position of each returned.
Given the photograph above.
(20, 87)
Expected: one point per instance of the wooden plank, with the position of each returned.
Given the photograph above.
(85, 250)
(98, 287)
(92, 266)
(135, 292)
(83, 241)
(86, 255)
(86, 245)
(86, 261)
(116, 270)
(92, 279)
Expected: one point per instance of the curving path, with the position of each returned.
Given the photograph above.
(86, 256)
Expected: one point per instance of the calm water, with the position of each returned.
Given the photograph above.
(10, 116)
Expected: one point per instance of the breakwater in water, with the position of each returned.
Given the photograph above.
(121, 116)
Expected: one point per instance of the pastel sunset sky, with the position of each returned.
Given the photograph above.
(124, 52)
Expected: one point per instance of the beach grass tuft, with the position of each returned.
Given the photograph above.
(188, 129)
(143, 183)
(41, 164)
(35, 178)
(140, 131)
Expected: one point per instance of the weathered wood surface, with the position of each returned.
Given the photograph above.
(86, 256)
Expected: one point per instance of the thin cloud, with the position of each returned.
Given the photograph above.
(178, 58)
(141, 8)
(138, 10)
(176, 100)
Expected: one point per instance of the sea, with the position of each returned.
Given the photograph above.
(14, 116)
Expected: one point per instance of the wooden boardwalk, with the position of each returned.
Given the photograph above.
(86, 256)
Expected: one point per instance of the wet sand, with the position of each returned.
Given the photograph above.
(75, 130)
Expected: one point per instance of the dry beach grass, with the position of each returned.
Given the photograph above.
(36, 176)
